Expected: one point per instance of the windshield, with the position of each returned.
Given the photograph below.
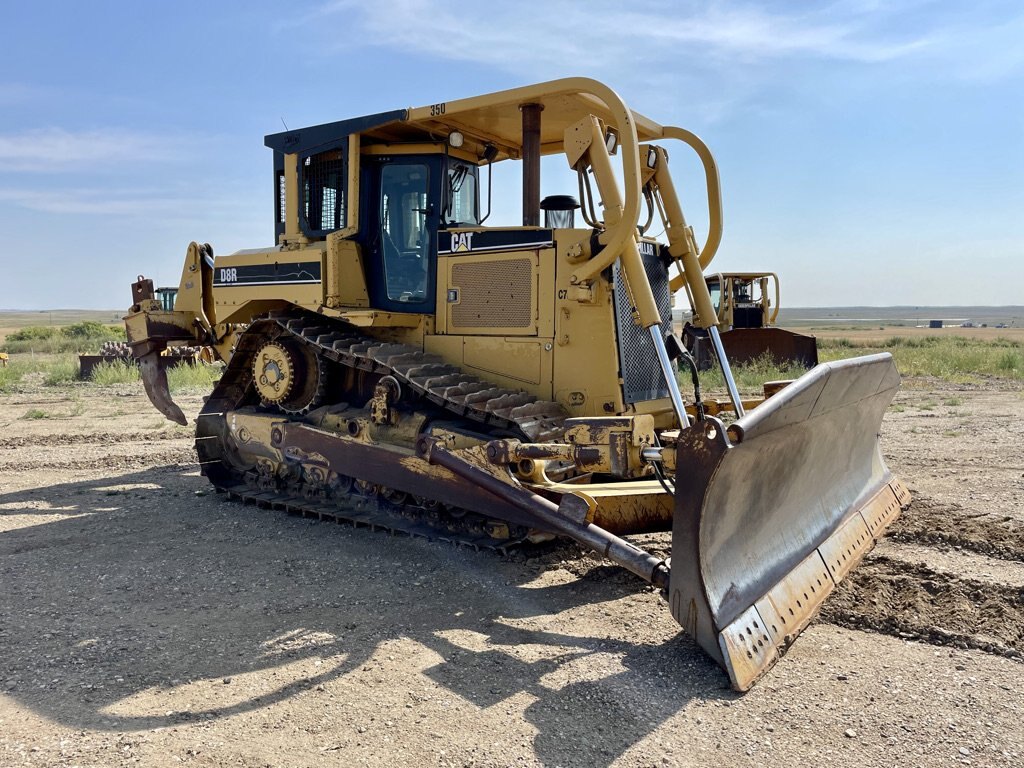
(463, 209)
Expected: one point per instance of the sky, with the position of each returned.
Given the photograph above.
(871, 153)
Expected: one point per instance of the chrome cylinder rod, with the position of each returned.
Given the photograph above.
(670, 376)
(723, 362)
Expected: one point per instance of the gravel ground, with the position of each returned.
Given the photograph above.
(145, 620)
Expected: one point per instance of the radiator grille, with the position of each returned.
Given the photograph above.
(638, 360)
(493, 294)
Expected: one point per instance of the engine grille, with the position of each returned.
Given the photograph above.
(638, 360)
(493, 294)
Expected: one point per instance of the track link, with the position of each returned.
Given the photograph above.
(445, 386)
(377, 514)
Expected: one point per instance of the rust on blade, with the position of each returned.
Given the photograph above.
(757, 638)
(771, 515)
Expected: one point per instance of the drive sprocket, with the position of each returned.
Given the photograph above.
(288, 375)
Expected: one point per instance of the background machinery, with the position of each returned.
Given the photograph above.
(391, 360)
(746, 313)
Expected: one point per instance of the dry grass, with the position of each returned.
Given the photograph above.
(956, 358)
(878, 335)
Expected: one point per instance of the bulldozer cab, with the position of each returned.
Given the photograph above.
(410, 198)
(392, 201)
(744, 299)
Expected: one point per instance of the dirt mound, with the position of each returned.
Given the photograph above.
(936, 523)
(912, 601)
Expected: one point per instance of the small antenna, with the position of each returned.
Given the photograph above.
(284, 124)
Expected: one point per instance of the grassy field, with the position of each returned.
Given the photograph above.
(869, 336)
(956, 358)
(85, 336)
(14, 320)
(959, 358)
(828, 319)
(26, 372)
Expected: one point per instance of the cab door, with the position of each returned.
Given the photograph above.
(402, 233)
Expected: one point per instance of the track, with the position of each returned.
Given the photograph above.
(480, 405)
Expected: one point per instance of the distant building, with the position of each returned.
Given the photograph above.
(934, 323)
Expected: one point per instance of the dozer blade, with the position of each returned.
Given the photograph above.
(154, 379)
(773, 512)
(745, 345)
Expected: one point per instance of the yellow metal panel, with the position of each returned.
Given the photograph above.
(344, 275)
(518, 360)
(492, 294)
(291, 194)
(633, 507)
(496, 116)
(448, 348)
(419, 148)
(229, 297)
(441, 291)
(586, 360)
(513, 362)
(546, 292)
(373, 318)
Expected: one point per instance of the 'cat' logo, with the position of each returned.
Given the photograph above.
(462, 241)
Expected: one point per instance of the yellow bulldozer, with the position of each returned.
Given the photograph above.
(745, 313)
(392, 361)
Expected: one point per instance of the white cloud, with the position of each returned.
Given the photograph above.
(562, 33)
(549, 38)
(57, 149)
(139, 203)
(752, 33)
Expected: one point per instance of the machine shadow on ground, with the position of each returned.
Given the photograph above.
(151, 586)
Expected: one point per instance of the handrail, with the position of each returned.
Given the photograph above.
(615, 238)
(714, 190)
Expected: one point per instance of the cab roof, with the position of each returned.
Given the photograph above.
(493, 119)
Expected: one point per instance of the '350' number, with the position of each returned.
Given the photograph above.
(437, 109)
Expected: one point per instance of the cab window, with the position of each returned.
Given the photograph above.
(404, 236)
